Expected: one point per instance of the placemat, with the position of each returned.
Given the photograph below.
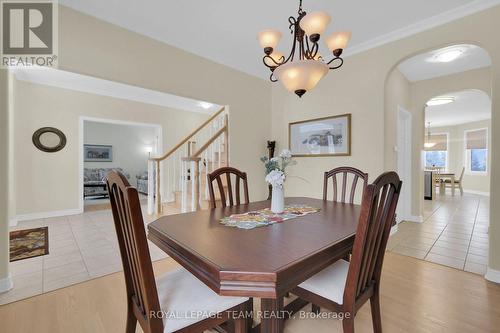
(264, 217)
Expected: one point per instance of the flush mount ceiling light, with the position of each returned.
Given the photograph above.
(205, 105)
(304, 67)
(448, 54)
(441, 100)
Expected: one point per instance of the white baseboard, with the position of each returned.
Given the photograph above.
(486, 194)
(6, 284)
(45, 215)
(13, 222)
(412, 218)
(394, 229)
(492, 275)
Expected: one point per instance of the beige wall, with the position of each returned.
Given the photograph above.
(93, 47)
(358, 88)
(50, 181)
(397, 94)
(456, 154)
(4, 176)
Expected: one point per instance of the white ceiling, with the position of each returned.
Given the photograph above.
(225, 30)
(469, 106)
(89, 84)
(422, 66)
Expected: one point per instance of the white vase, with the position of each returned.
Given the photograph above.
(278, 199)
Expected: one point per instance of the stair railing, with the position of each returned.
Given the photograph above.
(220, 138)
(177, 174)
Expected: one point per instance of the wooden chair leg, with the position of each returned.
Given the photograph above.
(376, 316)
(348, 325)
(315, 309)
(131, 321)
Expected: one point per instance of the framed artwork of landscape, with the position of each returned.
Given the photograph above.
(328, 136)
(98, 153)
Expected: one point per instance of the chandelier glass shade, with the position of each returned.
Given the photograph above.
(304, 67)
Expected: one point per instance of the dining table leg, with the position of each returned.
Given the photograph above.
(452, 185)
(272, 315)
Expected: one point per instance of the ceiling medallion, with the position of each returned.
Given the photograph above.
(304, 67)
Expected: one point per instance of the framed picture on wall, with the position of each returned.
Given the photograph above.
(328, 136)
(98, 153)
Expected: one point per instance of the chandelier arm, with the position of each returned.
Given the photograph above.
(335, 59)
(291, 56)
(314, 51)
(272, 78)
(292, 22)
(272, 59)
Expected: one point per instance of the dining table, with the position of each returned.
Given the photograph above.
(265, 262)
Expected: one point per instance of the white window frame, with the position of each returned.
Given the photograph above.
(467, 153)
(447, 164)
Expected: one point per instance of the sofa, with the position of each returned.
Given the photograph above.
(94, 181)
(142, 182)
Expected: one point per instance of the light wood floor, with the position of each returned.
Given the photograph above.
(417, 296)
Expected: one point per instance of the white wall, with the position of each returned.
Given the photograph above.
(128, 141)
(456, 154)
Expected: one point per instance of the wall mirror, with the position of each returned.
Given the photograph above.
(49, 139)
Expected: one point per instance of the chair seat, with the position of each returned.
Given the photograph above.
(181, 296)
(330, 282)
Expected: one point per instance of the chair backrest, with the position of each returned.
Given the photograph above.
(142, 296)
(226, 172)
(462, 174)
(377, 215)
(344, 171)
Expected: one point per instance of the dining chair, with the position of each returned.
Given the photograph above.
(457, 183)
(345, 172)
(222, 175)
(164, 304)
(345, 286)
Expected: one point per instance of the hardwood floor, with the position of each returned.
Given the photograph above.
(417, 296)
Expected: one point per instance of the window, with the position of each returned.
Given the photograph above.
(437, 155)
(436, 158)
(476, 151)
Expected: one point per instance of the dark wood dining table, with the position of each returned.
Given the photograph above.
(265, 262)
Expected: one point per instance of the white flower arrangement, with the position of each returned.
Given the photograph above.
(276, 177)
(276, 167)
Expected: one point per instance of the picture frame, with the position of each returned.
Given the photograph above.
(97, 153)
(326, 136)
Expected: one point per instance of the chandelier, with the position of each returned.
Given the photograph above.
(304, 67)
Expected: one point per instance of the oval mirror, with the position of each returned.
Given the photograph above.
(49, 139)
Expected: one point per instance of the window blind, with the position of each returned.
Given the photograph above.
(476, 139)
(440, 140)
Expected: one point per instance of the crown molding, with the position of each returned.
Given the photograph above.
(429, 23)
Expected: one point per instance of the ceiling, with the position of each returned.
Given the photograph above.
(469, 106)
(89, 84)
(424, 66)
(225, 30)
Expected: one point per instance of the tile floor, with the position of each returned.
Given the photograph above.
(454, 233)
(81, 247)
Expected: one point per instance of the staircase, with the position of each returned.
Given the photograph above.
(180, 174)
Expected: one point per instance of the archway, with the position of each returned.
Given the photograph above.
(410, 84)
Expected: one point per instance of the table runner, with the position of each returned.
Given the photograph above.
(264, 217)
